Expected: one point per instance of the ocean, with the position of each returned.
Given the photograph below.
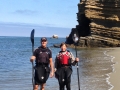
(16, 68)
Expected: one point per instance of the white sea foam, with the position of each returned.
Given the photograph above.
(107, 79)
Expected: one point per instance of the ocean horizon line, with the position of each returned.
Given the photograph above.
(29, 36)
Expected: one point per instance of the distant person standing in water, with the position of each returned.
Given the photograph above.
(43, 58)
(63, 67)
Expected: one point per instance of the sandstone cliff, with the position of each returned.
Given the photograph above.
(99, 23)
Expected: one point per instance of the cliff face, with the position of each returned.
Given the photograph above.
(99, 23)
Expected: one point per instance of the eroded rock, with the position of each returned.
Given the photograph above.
(99, 23)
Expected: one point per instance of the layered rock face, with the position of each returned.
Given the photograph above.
(99, 23)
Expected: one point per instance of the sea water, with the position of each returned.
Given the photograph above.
(16, 68)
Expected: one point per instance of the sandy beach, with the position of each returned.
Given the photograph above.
(115, 75)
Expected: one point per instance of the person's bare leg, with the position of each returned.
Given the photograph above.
(42, 87)
(36, 87)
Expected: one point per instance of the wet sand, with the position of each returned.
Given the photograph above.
(115, 76)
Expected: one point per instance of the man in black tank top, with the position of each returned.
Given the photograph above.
(43, 58)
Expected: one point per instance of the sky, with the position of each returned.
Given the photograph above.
(47, 17)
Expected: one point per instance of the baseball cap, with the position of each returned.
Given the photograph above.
(43, 39)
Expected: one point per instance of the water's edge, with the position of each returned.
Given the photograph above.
(107, 79)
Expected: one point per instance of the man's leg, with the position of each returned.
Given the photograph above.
(61, 86)
(42, 87)
(36, 87)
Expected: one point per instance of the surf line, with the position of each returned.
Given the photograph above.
(113, 70)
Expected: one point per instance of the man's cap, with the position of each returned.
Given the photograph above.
(43, 39)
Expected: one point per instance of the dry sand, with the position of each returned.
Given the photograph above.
(115, 76)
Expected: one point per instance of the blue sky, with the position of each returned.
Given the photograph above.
(45, 16)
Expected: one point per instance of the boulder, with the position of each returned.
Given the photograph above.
(55, 36)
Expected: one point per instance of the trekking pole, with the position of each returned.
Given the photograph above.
(32, 41)
(75, 39)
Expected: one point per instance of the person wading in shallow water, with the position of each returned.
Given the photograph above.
(63, 67)
(43, 58)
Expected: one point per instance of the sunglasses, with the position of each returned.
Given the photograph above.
(43, 41)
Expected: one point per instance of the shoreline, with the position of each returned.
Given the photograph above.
(113, 79)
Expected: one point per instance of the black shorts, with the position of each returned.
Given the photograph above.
(41, 74)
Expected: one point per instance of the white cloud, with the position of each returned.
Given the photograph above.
(26, 12)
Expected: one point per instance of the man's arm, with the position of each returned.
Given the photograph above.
(52, 67)
(32, 58)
